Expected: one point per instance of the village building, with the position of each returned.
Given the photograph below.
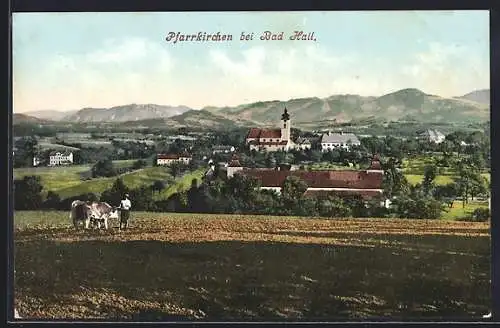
(60, 158)
(330, 141)
(223, 149)
(433, 136)
(275, 139)
(365, 183)
(36, 161)
(167, 159)
(302, 143)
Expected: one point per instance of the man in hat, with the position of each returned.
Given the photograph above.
(125, 206)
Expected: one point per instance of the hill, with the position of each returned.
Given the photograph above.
(406, 104)
(27, 119)
(53, 115)
(479, 96)
(131, 112)
(313, 112)
(195, 119)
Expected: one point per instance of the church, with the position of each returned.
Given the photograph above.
(274, 139)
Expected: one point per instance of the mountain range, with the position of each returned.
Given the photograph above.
(405, 104)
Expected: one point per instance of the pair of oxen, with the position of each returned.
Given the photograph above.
(92, 213)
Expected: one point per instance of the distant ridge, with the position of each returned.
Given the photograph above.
(479, 96)
(406, 104)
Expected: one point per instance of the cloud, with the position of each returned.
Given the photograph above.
(447, 69)
(121, 71)
(136, 70)
(264, 73)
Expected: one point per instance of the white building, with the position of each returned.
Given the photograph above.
(36, 161)
(343, 140)
(275, 139)
(167, 159)
(434, 136)
(225, 149)
(60, 158)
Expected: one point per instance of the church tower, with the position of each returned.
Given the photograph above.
(285, 126)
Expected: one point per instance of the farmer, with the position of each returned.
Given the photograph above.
(125, 206)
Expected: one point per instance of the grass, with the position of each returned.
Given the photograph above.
(67, 180)
(134, 179)
(172, 266)
(182, 184)
(459, 212)
(414, 179)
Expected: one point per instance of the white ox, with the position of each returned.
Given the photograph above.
(80, 212)
(101, 212)
(95, 212)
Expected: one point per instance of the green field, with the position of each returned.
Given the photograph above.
(66, 181)
(459, 212)
(62, 177)
(413, 169)
(176, 267)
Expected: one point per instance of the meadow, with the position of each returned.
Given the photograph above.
(66, 180)
(175, 267)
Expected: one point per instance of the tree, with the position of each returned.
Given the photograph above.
(115, 193)
(103, 168)
(271, 161)
(292, 192)
(394, 181)
(139, 164)
(158, 185)
(177, 168)
(27, 193)
(53, 200)
(430, 173)
(27, 149)
(142, 199)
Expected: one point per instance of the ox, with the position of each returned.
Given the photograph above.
(94, 212)
(101, 212)
(80, 212)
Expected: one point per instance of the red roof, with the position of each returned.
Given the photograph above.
(266, 133)
(256, 133)
(274, 143)
(253, 133)
(320, 179)
(172, 156)
(167, 156)
(365, 194)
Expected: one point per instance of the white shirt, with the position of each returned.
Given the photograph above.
(126, 204)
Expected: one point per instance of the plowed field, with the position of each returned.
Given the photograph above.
(240, 268)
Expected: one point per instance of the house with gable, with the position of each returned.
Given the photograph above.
(343, 140)
(167, 159)
(365, 183)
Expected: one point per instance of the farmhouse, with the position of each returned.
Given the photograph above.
(365, 183)
(225, 149)
(343, 140)
(60, 158)
(273, 139)
(167, 159)
(429, 135)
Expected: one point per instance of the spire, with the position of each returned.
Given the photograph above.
(285, 116)
(235, 162)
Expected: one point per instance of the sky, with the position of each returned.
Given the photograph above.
(68, 61)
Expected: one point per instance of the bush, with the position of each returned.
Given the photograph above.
(481, 214)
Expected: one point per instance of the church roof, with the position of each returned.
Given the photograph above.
(256, 133)
(320, 179)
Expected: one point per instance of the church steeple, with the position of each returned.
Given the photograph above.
(285, 127)
(285, 116)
